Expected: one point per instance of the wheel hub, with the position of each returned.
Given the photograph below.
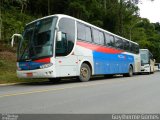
(84, 72)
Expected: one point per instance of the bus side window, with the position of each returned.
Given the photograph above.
(137, 49)
(88, 34)
(126, 45)
(98, 36)
(118, 43)
(109, 40)
(101, 38)
(131, 47)
(81, 31)
(84, 32)
(134, 48)
(95, 36)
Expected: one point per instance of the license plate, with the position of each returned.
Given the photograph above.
(29, 74)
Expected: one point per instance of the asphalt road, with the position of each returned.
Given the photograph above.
(137, 94)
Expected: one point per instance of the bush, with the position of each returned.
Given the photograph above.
(1, 63)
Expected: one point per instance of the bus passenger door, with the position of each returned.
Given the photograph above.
(66, 62)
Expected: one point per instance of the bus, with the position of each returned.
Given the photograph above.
(147, 61)
(157, 67)
(59, 46)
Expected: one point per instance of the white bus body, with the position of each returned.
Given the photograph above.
(147, 61)
(62, 46)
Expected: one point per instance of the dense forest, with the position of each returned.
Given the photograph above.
(118, 16)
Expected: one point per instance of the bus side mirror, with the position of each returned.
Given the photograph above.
(59, 36)
(12, 42)
(14, 35)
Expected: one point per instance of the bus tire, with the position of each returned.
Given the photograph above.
(85, 73)
(130, 72)
(54, 80)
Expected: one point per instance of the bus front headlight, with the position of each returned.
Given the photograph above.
(146, 66)
(46, 65)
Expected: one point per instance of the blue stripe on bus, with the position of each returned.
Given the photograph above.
(111, 63)
(30, 65)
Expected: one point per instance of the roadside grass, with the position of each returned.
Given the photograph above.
(8, 73)
(8, 69)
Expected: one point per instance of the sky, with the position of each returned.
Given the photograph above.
(150, 10)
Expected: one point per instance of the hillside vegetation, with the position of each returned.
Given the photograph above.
(118, 16)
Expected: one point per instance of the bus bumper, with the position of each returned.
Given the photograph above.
(145, 68)
(38, 73)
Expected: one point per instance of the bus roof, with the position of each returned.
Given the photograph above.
(66, 16)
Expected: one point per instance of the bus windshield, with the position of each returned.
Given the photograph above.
(144, 57)
(37, 40)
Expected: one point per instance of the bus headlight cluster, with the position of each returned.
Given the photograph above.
(46, 65)
(146, 66)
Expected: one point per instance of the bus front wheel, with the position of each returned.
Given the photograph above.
(85, 73)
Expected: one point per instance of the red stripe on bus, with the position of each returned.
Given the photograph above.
(99, 48)
(44, 60)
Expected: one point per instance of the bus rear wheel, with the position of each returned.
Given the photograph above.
(130, 72)
(85, 73)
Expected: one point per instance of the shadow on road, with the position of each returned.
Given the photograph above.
(70, 80)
